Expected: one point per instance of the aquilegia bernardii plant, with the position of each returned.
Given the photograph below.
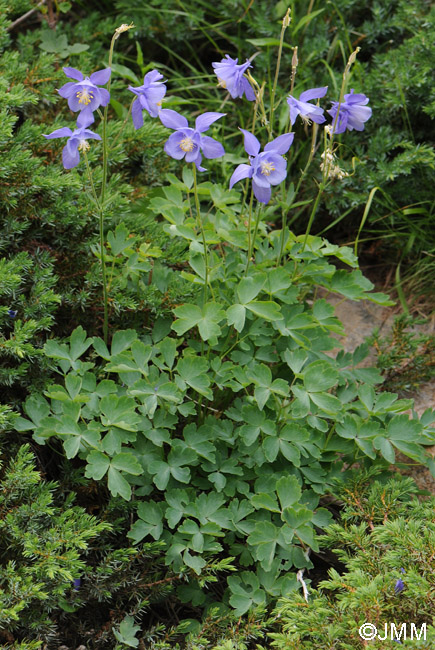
(303, 107)
(230, 434)
(83, 94)
(77, 139)
(231, 76)
(149, 97)
(266, 169)
(350, 114)
(190, 143)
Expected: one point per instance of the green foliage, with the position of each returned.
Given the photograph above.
(49, 275)
(230, 448)
(389, 533)
(28, 302)
(405, 357)
(394, 69)
(127, 633)
(59, 44)
(47, 542)
(212, 430)
(42, 549)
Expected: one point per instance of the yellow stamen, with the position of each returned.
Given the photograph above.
(222, 83)
(186, 144)
(267, 168)
(84, 97)
(84, 146)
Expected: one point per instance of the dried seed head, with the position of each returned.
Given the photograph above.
(329, 168)
(353, 56)
(122, 28)
(287, 19)
(295, 58)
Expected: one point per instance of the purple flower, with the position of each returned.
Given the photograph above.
(149, 97)
(84, 94)
(76, 584)
(189, 143)
(231, 77)
(12, 313)
(306, 110)
(400, 585)
(352, 114)
(77, 139)
(265, 169)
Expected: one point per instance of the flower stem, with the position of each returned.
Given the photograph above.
(313, 214)
(259, 101)
(304, 171)
(101, 204)
(323, 183)
(122, 125)
(249, 230)
(344, 81)
(201, 228)
(91, 180)
(257, 221)
(285, 24)
(102, 257)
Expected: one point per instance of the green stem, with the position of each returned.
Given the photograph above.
(329, 436)
(257, 221)
(285, 24)
(91, 180)
(250, 243)
(313, 214)
(101, 204)
(329, 146)
(344, 81)
(201, 228)
(122, 125)
(103, 273)
(304, 171)
(249, 229)
(259, 103)
(102, 256)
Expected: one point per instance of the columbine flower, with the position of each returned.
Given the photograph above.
(302, 107)
(149, 97)
(12, 313)
(230, 77)
(77, 139)
(265, 169)
(189, 143)
(352, 114)
(84, 94)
